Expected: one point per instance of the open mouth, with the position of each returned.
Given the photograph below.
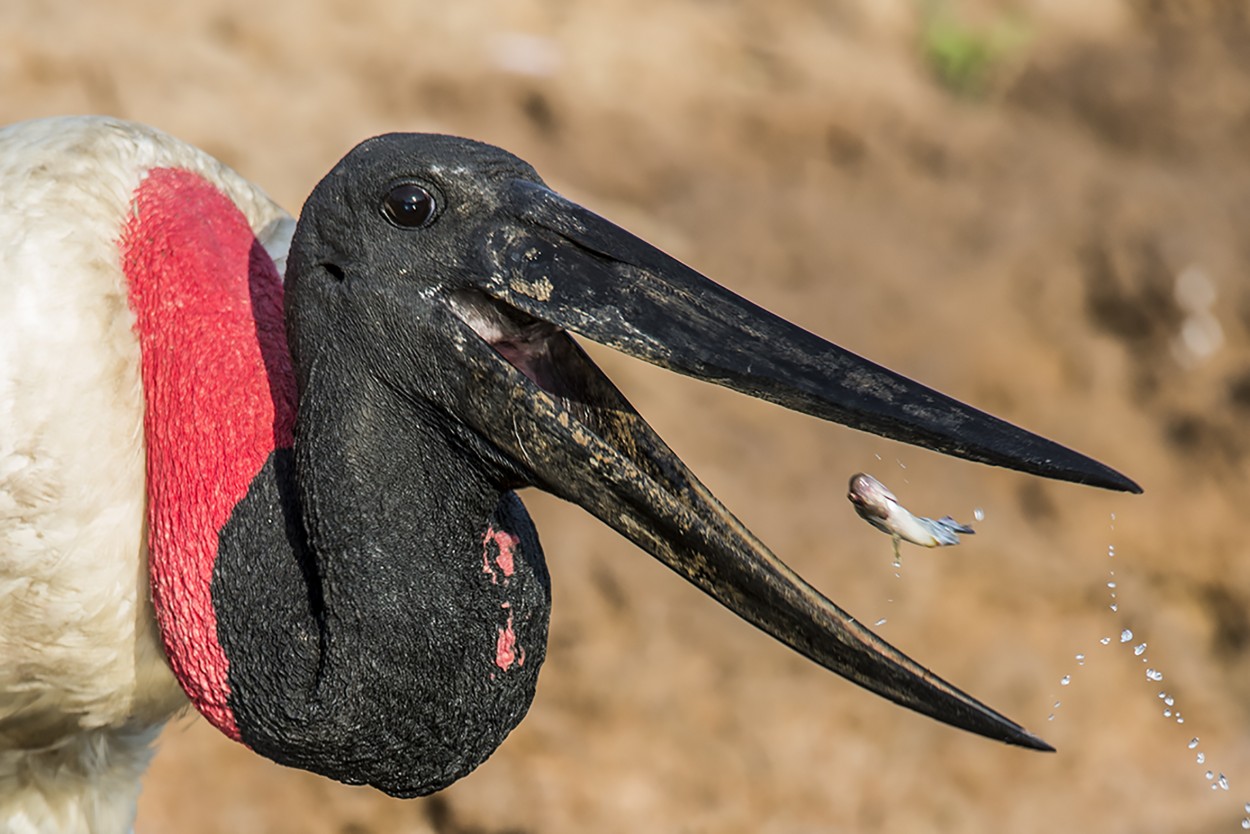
(544, 353)
(596, 451)
(560, 424)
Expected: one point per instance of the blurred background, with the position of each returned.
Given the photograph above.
(1039, 207)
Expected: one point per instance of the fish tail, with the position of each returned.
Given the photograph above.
(956, 527)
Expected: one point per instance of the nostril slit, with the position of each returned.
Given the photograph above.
(336, 272)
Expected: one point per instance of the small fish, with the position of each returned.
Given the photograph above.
(877, 505)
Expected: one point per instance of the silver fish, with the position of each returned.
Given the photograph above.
(875, 504)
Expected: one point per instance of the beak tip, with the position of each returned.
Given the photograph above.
(1111, 479)
(1064, 464)
(1025, 739)
(1132, 487)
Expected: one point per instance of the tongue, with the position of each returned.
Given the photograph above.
(532, 346)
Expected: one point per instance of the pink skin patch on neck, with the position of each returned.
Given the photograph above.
(505, 546)
(506, 648)
(507, 651)
(219, 397)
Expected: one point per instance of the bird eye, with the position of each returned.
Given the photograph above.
(408, 205)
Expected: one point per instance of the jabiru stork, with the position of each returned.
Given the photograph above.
(293, 502)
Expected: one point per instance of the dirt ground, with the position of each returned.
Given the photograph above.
(1039, 207)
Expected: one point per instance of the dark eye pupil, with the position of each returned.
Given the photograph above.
(408, 205)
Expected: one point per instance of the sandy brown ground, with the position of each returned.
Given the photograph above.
(1018, 246)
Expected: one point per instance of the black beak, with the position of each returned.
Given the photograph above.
(565, 428)
(579, 271)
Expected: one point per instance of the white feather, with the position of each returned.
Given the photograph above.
(84, 685)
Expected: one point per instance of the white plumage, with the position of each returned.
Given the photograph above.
(84, 684)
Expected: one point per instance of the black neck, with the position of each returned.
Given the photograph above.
(367, 640)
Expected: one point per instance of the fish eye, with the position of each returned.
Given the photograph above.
(408, 206)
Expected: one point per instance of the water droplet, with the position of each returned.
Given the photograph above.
(1139, 648)
(880, 622)
(1202, 759)
(1114, 607)
(1154, 675)
(1222, 782)
(1210, 776)
(878, 457)
(897, 565)
(1245, 822)
(1193, 742)
(1167, 713)
(1080, 660)
(1057, 704)
(1169, 700)
(1065, 680)
(1248, 807)
(1113, 519)
(978, 514)
(1110, 584)
(1050, 717)
(1179, 720)
(1105, 641)
(901, 465)
(1126, 635)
